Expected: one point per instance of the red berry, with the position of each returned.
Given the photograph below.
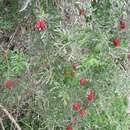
(82, 113)
(76, 106)
(116, 42)
(69, 127)
(83, 81)
(123, 25)
(81, 11)
(9, 84)
(90, 95)
(40, 24)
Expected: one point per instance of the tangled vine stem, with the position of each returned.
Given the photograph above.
(10, 117)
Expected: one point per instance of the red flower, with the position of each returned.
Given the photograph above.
(40, 24)
(83, 81)
(90, 95)
(82, 113)
(69, 127)
(81, 11)
(76, 106)
(123, 25)
(9, 84)
(116, 42)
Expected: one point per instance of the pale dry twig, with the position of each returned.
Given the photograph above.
(10, 117)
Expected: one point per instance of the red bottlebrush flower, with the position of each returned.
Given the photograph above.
(76, 106)
(9, 84)
(81, 11)
(69, 127)
(82, 113)
(90, 95)
(116, 42)
(83, 81)
(40, 24)
(123, 25)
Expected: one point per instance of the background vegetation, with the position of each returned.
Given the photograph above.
(47, 66)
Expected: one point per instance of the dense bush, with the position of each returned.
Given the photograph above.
(75, 75)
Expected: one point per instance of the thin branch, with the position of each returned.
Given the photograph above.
(10, 117)
(2, 125)
(46, 6)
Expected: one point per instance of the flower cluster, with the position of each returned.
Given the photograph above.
(122, 25)
(77, 105)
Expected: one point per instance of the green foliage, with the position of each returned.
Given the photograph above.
(65, 89)
(13, 63)
(57, 84)
(109, 114)
(6, 25)
(9, 14)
